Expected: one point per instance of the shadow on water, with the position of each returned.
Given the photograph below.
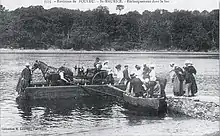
(91, 106)
(94, 105)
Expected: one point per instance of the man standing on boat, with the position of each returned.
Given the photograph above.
(135, 85)
(126, 77)
(97, 64)
(26, 76)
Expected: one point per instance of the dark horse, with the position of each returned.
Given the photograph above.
(49, 72)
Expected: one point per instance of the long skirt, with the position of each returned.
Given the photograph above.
(194, 88)
(177, 86)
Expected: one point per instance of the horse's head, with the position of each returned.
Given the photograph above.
(36, 65)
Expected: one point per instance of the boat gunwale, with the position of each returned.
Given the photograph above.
(67, 86)
(160, 98)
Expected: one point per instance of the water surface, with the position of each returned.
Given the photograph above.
(96, 116)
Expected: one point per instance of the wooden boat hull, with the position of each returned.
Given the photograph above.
(72, 91)
(66, 106)
(150, 105)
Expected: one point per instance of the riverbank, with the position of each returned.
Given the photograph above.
(203, 107)
(175, 52)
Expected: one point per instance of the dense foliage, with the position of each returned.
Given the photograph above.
(38, 28)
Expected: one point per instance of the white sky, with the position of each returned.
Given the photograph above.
(200, 5)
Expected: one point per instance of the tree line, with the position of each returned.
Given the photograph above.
(37, 28)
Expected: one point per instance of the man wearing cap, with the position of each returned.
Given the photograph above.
(126, 77)
(135, 84)
(26, 75)
(189, 72)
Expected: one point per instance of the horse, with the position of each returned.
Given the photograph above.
(46, 70)
(50, 72)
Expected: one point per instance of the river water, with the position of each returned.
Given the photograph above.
(93, 116)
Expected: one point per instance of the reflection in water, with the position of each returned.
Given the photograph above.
(93, 105)
(96, 116)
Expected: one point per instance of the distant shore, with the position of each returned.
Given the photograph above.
(64, 51)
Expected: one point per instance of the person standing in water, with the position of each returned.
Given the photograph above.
(26, 76)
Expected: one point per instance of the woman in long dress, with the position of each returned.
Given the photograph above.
(177, 79)
(118, 74)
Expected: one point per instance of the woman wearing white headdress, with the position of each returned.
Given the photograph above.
(177, 79)
(118, 73)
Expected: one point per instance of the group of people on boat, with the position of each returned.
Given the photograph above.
(140, 83)
(183, 79)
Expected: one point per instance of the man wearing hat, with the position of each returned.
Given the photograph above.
(189, 72)
(135, 84)
(126, 77)
(26, 75)
(97, 64)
